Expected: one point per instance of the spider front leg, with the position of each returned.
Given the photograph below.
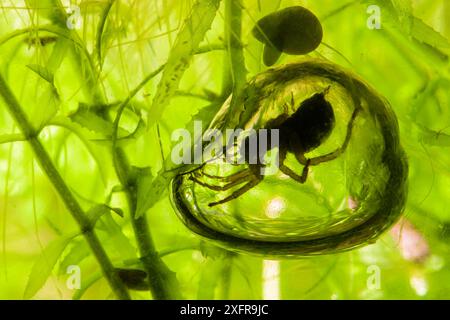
(291, 173)
(336, 153)
(233, 180)
(255, 180)
(229, 178)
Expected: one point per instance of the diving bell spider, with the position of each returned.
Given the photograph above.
(299, 133)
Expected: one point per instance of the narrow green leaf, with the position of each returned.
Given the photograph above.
(96, 212)
(100, 28)
(86, 136)
(206, 114)
(43, 72)
(144, 187)
(404, 12)
(59, 53)
(426, 34)
(399, 14)
(117, 211)
(186, 44)
(151, 191)
(48, 97)
(77, 251)
(115, 237)
(87, 118)
(86, 284)
(7, 138)
(43, 266)
(49, 9)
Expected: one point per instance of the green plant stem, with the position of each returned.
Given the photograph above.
(100, 29)
(163, 283)
(155, 267)
(235, 73)
(226, 276)
(11, 138)
(157, 270)
(69, 200)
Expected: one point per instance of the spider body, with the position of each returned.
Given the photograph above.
(299, 133)
(303, 131)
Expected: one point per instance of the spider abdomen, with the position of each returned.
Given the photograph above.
(310, 125)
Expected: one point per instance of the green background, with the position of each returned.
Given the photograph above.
(71, 84)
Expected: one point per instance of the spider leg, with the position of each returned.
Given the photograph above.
(289, 172)
(336, 153)
(302, 159)
(240, 179)
(230, 177)
(252, 183)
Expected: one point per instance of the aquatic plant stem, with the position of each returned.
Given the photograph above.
(163, 282)
(47, 166)
(235, 73)
(157, 271)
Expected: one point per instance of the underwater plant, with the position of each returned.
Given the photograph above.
(100, 103)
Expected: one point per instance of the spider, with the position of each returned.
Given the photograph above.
(299, 133)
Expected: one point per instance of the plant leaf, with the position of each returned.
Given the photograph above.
(96, 212)
(186, 44)
(100, 29)
(58, 55)
(49, 9)
(43, 72)
(76, 253)
(86, 136)
(115, 237)
(88, 119)
(152, 190)
(43, 266)
(86, 284)
(14, 137)
(144, 187)
(424, 33)
(400, 15)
